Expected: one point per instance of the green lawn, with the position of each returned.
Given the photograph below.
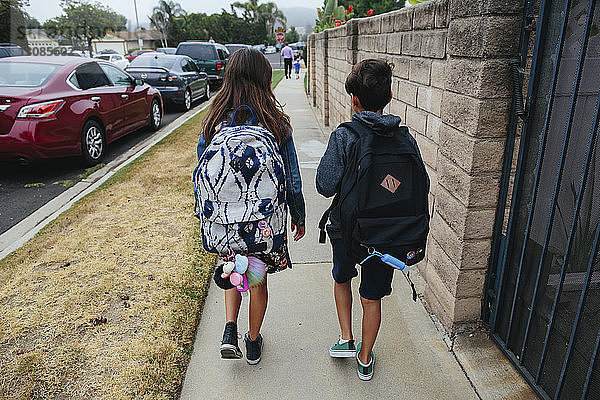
(278, 75)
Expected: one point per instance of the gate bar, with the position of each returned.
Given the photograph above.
(563, 269)
(538, 170)
(588, 277)
(523, 147)
(561, 166)
(492, 276)
(591, 367)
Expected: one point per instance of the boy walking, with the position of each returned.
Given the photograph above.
(369, 85)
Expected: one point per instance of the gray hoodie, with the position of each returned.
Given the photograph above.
(332, 165)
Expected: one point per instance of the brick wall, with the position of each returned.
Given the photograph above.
(451, 86)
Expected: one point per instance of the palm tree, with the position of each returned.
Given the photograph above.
(163, 15)
(272, 15)
(249, 9)
(267, 13)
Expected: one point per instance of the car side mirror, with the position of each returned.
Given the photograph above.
(139, 82)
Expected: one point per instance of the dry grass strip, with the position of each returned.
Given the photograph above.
(104, 302)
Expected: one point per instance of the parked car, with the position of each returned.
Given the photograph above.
(117, 59)
(176, 77)
(233, 47)
(167, 50)
(67, 106)
(270, 50)
(298, 48)
(209, 57)
(11, 50)
(131, 56)
(79, 53)
(260, 47)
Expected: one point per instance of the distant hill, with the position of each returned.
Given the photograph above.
(300, 16)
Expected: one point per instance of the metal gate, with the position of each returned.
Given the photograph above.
(543, 298)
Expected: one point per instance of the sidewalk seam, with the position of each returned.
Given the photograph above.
(465, 372)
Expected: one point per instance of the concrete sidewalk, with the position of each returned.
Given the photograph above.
(301, 322)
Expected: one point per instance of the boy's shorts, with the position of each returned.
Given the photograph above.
(375, 280)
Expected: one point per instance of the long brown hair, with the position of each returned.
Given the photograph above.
(247, 81)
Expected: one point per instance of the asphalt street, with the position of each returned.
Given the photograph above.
(24, 189)
(275, 60)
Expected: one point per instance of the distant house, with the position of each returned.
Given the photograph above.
(38, 39)
(110, 42)
(151, 39)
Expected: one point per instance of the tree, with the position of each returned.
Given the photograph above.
(272, 16)
(163, 17)
(83, 22)
(14, 26)
(292, 35)
(249, 9)
(267, 14)
(31, 22)
(224, 28)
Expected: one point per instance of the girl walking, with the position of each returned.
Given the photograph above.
(246, 179)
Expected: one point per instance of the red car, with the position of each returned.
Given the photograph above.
(134, 54)
(66, 106)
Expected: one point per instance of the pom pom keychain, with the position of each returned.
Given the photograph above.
(244, 272)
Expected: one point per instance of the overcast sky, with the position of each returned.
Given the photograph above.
(46, 9)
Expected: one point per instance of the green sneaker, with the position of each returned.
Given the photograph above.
(365, 372)
(343, 349)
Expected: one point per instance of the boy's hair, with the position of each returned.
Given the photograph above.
(371, 81)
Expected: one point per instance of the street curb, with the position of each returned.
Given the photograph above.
(19, 234)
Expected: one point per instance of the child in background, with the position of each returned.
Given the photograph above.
(297, 67)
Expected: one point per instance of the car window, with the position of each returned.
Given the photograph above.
(91, 76)
(3, 53)
(198, 51)
(188, 66)
(105, 58)
(153, 61)
(73, 81)
(116, 76)
(26, 74)
(223, 54)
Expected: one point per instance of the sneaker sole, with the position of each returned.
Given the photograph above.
(342, 353)
(364, 377)
(229, 351)
(253, 362)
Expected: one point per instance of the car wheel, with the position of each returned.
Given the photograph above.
(93, 142)
(187, 100)
(207, 93)
(155, 115)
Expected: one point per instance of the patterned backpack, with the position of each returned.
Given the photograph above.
(239, 185)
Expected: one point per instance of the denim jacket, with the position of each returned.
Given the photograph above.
(293, 181)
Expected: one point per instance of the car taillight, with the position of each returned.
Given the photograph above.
(218, 65)
(173, 78)
(41, 111)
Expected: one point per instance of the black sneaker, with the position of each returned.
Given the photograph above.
(253, 349)
(229, 346)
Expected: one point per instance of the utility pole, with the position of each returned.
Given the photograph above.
(137, 20)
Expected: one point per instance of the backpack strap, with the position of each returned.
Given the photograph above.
(232, 123)
(361, 131)
(325, 218)
(357, 127)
